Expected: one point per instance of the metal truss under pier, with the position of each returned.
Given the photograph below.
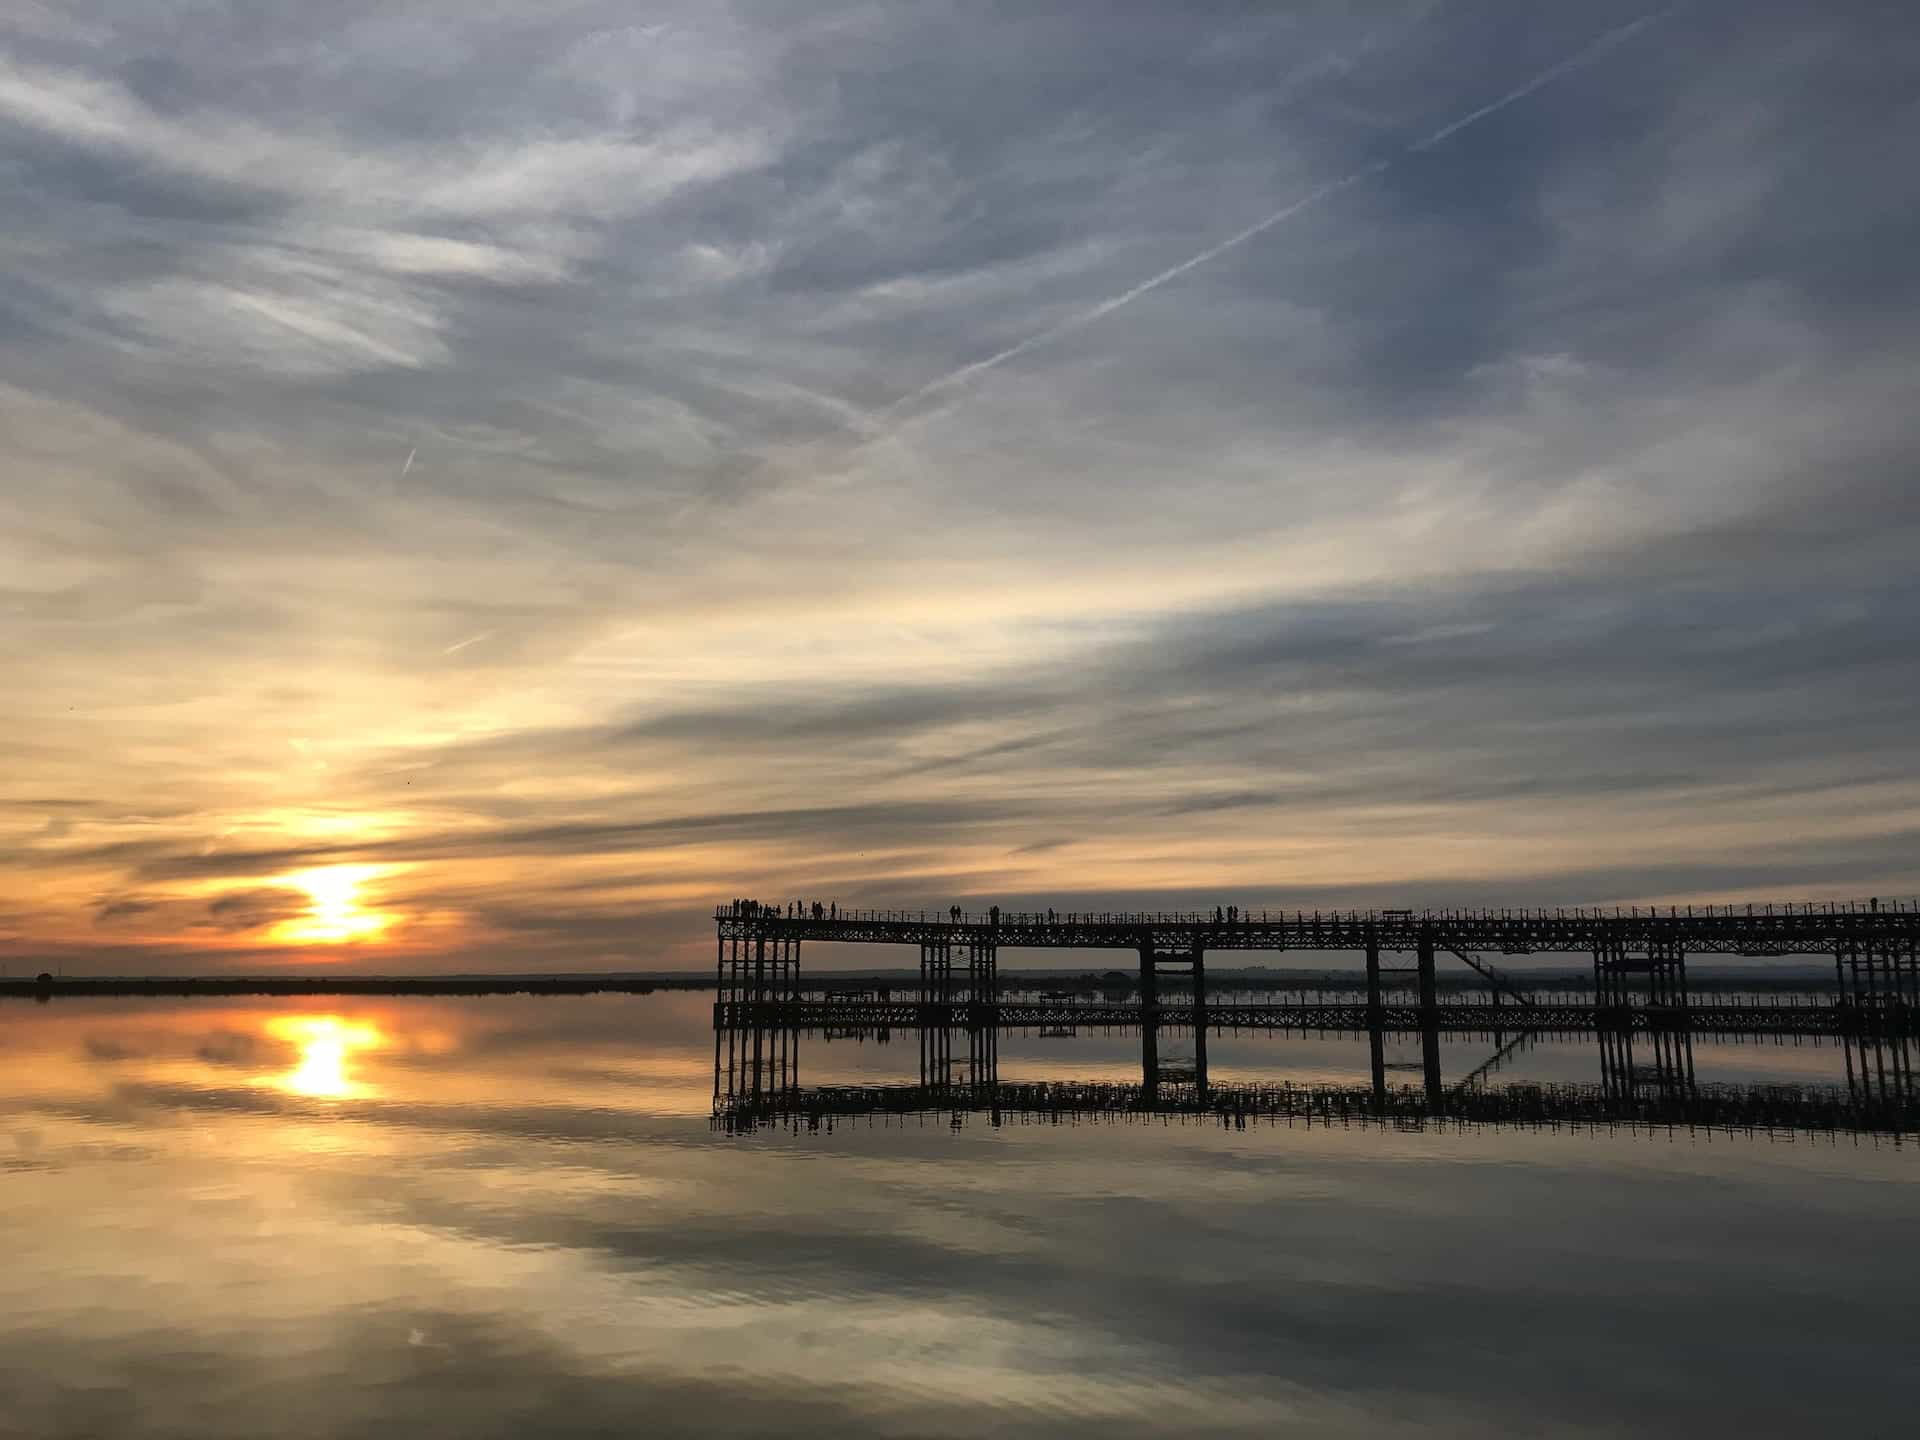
(1451, 1018)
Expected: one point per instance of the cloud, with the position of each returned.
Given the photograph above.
(126, 908)
(593, 173)
(257, 909)
(1529, 514)
(1584, 56)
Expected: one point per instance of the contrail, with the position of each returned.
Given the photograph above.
(458, 646)
(409, 465)
(1127, 297)
(1592, 51)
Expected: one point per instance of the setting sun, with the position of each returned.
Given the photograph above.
(327, 1044)
(335, 916)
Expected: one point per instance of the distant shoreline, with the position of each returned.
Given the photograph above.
(212, 985)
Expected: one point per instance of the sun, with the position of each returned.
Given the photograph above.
(335, 915)
(327, 1044)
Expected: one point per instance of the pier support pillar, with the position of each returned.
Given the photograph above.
(1429, 1016)
(1149, 1021)
(1621, 1010)
(983, 1056)
(1156, 1068)
(759, 970)
(936, 1057)
(983, 977)
(1200, 1019)
(1669, 1017)
(762, 1040)
(758, 977)
(1879, 999)
(1612, 1019)
(1376, 1020)
(936, 973)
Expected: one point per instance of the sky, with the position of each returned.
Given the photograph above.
(485, 483)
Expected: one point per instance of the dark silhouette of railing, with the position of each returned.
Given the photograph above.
(1759, 929)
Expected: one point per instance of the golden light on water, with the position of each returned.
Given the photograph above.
(335, 915)
(328, 1045)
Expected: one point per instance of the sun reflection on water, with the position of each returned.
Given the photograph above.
(328, 1045)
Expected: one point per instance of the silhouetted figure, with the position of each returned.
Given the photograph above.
(996, 917)
(833, 910)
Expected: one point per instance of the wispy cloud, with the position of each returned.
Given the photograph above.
(1586, 55)
(1523, 507)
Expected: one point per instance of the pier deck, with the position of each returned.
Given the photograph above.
(1759, 930)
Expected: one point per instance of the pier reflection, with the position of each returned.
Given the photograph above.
(1645, 1078)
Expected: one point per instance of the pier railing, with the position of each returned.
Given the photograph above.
(1749, 929)
(1758, 910)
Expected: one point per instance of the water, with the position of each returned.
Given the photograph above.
(514, 1217)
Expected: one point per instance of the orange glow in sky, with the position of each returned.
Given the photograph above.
(335, 916)
(327, 1047)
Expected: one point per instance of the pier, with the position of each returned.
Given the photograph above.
(1643, 1012)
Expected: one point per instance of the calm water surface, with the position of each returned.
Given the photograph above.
(513, 1217)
